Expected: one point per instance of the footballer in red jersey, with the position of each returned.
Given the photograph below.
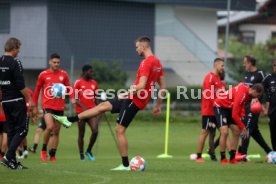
(51, 105)
(229, 110)
(211, 86)
(85, 89)
(129, 103)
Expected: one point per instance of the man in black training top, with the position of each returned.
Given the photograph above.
(14, 93)
(270, 89)
(252, 76)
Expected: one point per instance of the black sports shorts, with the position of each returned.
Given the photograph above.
(55, 112)
(126, 109)
(42, 124)
(209, 122)
(223, 117)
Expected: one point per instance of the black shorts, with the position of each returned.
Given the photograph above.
(16, 117)
(42, 124)
(209, 122)
(223, 117)
(126, 109)
(55, 112)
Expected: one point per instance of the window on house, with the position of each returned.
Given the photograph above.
(273, 35)
(247, 37)
(4, 18)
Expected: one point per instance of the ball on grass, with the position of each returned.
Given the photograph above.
(193, 156)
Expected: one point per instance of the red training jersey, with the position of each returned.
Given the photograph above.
(85, 92)
(46, 80)
(235, 99)
(152, 69)
(212, 86)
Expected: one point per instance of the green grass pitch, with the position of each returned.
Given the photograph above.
(146, 138)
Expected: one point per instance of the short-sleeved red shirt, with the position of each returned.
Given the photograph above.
(152, 69)
(85, 92)
(211, 86)
(45, 81)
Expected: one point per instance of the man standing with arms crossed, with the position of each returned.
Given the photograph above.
(14, 93)
(211, 86)
(128, 104)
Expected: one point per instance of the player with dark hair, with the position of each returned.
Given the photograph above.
(211, 86)
(270, 110)
(51, 105)
(252, 76)
(129, 103)
(14, 93)
(85, 89)
(229, 111)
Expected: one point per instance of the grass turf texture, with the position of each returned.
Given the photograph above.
(146, 138)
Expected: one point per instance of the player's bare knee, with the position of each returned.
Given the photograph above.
(49, 127)
(204, 133)
(119, 129)
(105, 106)
(224, 133)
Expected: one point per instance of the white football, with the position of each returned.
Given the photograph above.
(271, 157)
(193, 156)
(103, 96)
(58, 90)
(137, 163)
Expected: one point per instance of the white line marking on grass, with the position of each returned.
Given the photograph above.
(105, 178)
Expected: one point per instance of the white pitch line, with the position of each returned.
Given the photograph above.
(105, 179)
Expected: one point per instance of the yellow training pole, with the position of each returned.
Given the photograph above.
(165, 155)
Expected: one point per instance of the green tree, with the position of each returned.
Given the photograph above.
(264, 54)
(109, 73)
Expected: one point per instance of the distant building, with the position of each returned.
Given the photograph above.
(253, 27)
(184, 32)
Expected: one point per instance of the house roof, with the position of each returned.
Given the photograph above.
(237, 17)
(262, 9)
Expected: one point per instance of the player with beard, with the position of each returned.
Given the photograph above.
(211, 86)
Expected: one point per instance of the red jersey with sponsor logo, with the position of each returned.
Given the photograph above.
(212, 86)
(152, 69)
(45, 81)
(27, 101)
(85, 92)
(235, 99)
